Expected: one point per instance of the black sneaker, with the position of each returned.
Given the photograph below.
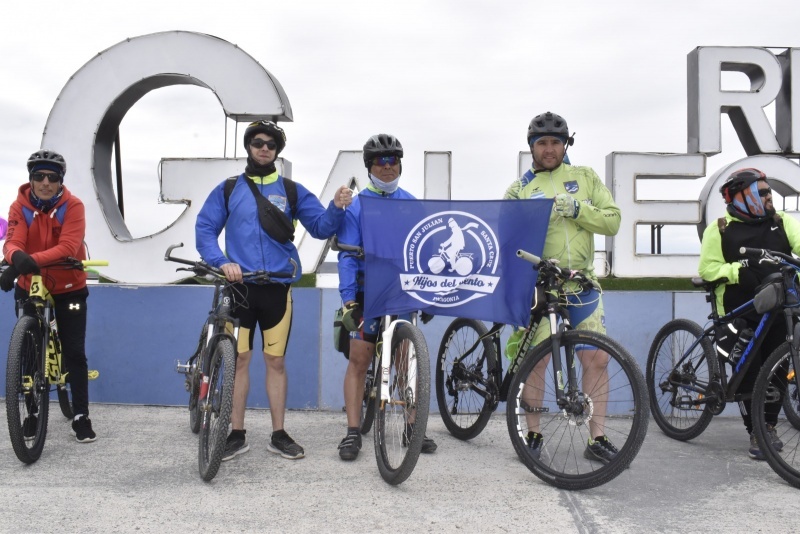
(29, 427)
(350, 446)
(428, 445)
(235, 445)
(600, 450)
(82, 427)
(284, 445)
(534, 441)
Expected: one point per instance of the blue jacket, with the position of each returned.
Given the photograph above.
(246, 243)
(350, 268)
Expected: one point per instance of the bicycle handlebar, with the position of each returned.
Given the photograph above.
(341, 247)
(216, 271)
(551, 267)
(770, 256)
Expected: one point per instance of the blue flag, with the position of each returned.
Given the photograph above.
(452, 257)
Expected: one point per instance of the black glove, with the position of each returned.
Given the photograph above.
(353, 317)
(24, 263)
(7, 278)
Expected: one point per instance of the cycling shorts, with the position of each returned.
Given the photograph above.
(585, 311)
(270, 307)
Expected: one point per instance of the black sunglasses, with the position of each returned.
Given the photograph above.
(764, 192)
(51, 177)
(259, 143)
(383, 160)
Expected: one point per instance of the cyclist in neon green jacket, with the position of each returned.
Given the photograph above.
(582, 207)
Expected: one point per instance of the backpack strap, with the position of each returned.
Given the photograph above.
(722, 223)
(289, 185)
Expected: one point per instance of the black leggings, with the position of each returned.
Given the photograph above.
(70, 311)
(772, 340)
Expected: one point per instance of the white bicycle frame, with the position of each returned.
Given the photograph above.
(386, 359)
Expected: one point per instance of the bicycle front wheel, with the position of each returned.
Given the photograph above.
(551, 435)
(215, 409)
(680, 370)
(194, 379)
(368, 401)
(465, 391)
(778, 438)
(27, 390)
(791, 403)
(400, 421)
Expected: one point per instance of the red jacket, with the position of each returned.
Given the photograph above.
(48, 240)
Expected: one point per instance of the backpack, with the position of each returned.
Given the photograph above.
(289, 185)
(722, 223)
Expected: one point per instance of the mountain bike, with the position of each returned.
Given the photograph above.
(593, 380)
(396, 392)
(688, 379)
(210, 371)
(34, 366)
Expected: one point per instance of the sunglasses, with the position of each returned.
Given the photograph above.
(260, 143)
(51, 177)
(383, 160)
(764, 192)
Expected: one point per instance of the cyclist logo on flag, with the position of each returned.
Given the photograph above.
(450, 258)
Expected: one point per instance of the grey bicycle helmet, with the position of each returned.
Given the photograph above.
(265, 127)
(738, 181)
(549, 124)
(381, 145)
(47, 160)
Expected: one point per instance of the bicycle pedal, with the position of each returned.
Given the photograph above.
(184, 368)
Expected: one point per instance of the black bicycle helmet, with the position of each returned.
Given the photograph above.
(549, 124)
(738, 181)
(265, 127)
(47, 159)
(381, 145)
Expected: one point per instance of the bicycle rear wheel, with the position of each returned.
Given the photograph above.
(678, 376)
(215, 409)
(27, 390)
(465, 392)
(63, 401)
(771, 385)
(396, 447)
(608, 380)
(791, 403)
(368, 402)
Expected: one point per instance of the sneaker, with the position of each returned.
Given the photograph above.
(82, 427)
(235, 445)
(29, 427)
(284, 445)
(755, 451)
(600, 450)
(777, 444)
(350, 446)
(534, 441)
(428, 445)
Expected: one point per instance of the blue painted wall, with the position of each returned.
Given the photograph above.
(136, 333)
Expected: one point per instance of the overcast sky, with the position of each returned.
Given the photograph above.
(455, 75)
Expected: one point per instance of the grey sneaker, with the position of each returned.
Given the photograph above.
(235, 445)
(534, 441)
(284, 445)
(600, 450)
(777, 444)
(755, 451)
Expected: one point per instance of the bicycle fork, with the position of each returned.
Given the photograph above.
(410, 393)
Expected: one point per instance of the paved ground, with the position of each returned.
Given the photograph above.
(141, 476)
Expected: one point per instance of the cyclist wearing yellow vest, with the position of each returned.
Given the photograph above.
(583, 207)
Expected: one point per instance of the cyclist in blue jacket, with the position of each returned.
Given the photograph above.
(251, 247)
(382, 155)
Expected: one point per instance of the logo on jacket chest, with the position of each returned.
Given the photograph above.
(571, 187)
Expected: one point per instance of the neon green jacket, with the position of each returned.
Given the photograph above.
(571, 241)
(712, 262)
